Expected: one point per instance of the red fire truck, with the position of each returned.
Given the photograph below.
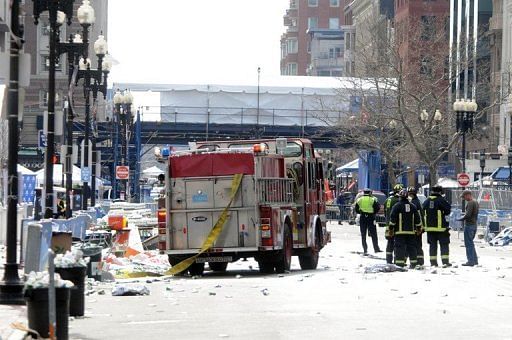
(277, 212)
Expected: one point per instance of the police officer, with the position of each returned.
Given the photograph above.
(405, 225)
(413, 197)
(367, 206)
(388, 205)
(437, 209)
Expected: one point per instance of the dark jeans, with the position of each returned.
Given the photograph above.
(469, 236)
(367, 226)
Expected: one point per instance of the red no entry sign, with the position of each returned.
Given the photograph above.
(463, 179)
(122, 172)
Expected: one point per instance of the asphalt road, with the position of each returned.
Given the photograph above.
(336, 301)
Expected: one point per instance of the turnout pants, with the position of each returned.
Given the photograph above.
(419, 245)
(443, 238)
(405, 245)
(367, 226)
(389, 249)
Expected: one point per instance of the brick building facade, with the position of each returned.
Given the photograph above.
(300, 17)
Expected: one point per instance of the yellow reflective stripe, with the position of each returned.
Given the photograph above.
(433, 257)
(439, 221)
(400, 223)
(214, 233)
(445, 256)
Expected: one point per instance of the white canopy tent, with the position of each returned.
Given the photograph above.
(349, 167)
(446, 183)
(59, 176)
(24, 171)
(152, 172)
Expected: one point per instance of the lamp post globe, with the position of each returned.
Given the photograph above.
(438, 116)
(106, 64)
(85, 13)
(100, 46)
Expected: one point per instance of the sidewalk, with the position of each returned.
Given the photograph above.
(8, 315)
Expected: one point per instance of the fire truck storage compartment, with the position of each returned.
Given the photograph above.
(197, 193)
(190, 229)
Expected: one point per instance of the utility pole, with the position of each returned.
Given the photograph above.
(11, 287)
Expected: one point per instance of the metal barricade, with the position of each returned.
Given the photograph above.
(339, 213)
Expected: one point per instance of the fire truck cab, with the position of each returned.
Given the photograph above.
(277, 212)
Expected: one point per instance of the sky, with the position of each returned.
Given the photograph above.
(199, 41)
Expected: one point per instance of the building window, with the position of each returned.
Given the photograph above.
(334, 23)
(43, 98)
(291, 69)
(313, 3)
(426, 66)
(334, 52)
(293, 4)
(292, 46)
(312, 22)
(283, 51)
(335, 3)
(324, 73)
(45, 64)
(428, 28)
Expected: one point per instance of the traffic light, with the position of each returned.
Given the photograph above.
(56, 158)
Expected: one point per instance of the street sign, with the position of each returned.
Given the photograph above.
(86, 174)
(122, 172)
(463, 179)
(41, 139)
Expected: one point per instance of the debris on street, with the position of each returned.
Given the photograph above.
(383, 268)
(129, 290)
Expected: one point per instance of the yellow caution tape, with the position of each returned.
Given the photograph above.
(214, 233)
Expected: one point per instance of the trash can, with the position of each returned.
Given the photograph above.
(93, 267)
(77, 294)
(37, 311)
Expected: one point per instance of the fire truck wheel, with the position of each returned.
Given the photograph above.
(173, 260)
(196, 269)
(285, 256)
(218, 266)
(266, 267)
(310, 260)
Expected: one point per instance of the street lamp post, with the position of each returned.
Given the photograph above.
(76, 46)
(123, 105)
(11, 287)
(465, 111)
(510, 167)
(94, 80)
(482, 168)
(58, 11)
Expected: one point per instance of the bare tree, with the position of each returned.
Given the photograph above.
(404, 84)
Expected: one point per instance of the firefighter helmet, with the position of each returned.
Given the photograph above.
(412, 190)
(437, 189)
(403, 193)
(398, 187)
(367, 191)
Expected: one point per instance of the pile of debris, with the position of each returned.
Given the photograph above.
(503, 238)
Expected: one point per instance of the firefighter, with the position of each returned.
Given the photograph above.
(413, 197)
(367, 206)
(436, 211)
(388, 205)
(405, 225)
